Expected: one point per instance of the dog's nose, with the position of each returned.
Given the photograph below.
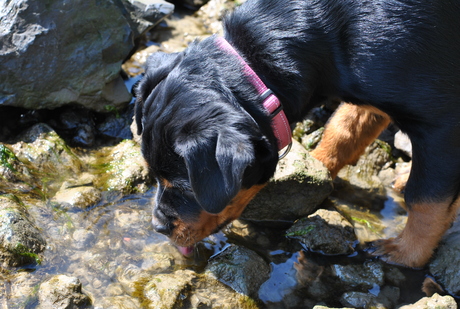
(163, 229)
(159, 224)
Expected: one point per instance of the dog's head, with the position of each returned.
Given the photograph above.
(207, 153)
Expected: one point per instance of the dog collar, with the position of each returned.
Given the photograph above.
(270, 101)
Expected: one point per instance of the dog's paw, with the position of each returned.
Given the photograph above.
(393, 251)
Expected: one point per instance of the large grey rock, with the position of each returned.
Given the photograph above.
(54, 53)
(299, 186)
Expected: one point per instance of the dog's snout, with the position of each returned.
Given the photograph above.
(161, 223)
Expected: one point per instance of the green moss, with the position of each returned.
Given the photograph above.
(301, 232)
(22, 250)
(6, 156)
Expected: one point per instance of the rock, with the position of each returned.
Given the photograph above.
(118, 302)
(446, 263)
(403, 143)
(211, 293)
(360, 300)
(362, 277)
(324, 231)
(14, 175)
(146, 14)
(76, 125)
(62, 292)
(298, 187)
(83, 238)
(360, 183)
(21, 242)
(77, 197)
(117, 125)
(168, 290)
(240, 268)
(47, 61)
(125, 169)
(41, 148)
(434, 302)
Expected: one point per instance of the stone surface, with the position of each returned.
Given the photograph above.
(21, 242)
(324, 231)
(446, 263)
(298, 187)
(434, 302)
(62, 292)
(240, 268)
(47, 61)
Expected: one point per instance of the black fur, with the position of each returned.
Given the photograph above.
(205, 132)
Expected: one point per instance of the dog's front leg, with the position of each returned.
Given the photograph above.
(347, 134)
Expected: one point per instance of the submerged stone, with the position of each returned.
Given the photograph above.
(61, 292)
(21, 242)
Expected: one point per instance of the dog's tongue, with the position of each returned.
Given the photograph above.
(186, 251)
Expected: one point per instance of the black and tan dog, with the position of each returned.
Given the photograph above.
(209, 140)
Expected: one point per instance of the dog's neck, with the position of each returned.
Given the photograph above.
(270, 101)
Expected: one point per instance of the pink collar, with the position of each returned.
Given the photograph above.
(271, 103)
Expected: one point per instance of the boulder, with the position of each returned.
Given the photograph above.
(56, 53)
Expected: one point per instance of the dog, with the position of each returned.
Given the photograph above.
(213, 118)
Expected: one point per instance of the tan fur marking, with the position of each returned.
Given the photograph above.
(188, 233)
(351, 129)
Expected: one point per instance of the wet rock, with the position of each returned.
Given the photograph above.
(298, 187)
(446, 262)
(20, 240)
(62, 292)
(83, 238)
(324, 231)
(434, 302)
(360, 183)
(125, 169)
(44, 151)
(168, 290)
(117, 125)
(403, 143)
(211, 293)
(362, 277)
(47, 62)
(360, 300)
(14, 175)
(240, 268)
(77, 197)
(77, 124)
(118, 302)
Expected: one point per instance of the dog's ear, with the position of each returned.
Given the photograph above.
(158, 66)
(216, 167)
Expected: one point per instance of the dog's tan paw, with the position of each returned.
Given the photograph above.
(394, 251)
